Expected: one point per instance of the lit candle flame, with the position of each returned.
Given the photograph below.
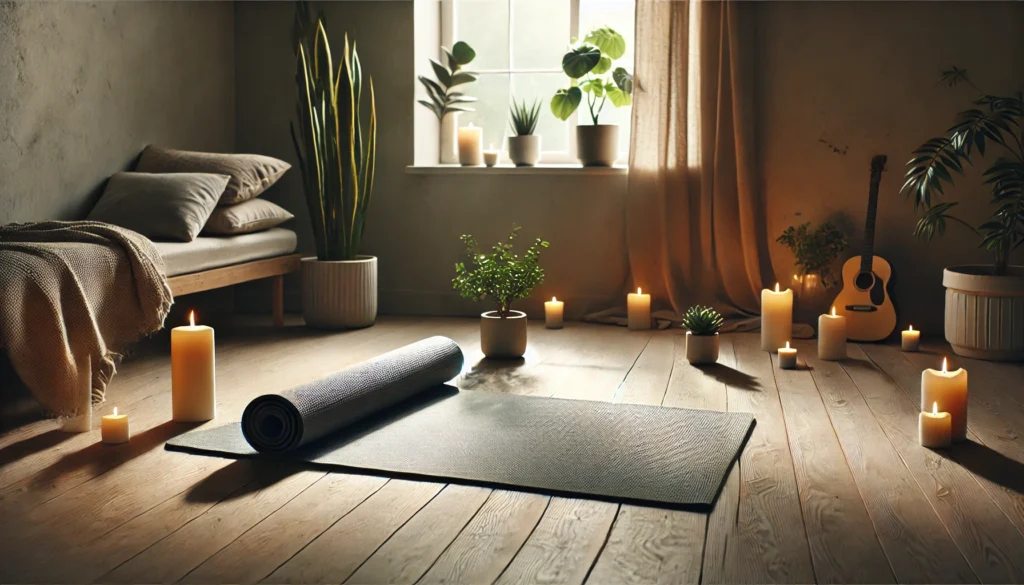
(638, 290)
(553, 299)
(115, 411)
(935, 408)
(943, 365)
(787, 345)
(192, 318)
(833, 310)
(910, 327)
(776, 287)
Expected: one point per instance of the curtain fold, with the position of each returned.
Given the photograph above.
(696, 227)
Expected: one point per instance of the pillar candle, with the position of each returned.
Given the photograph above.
(787, 357)
(832, 337)
(192, 373)
(776, 318)
(82, 421)
(638, 311)
(911, 339)
(491, 156)
(934, 429)
(948, 391)
(553, 313)
(471, 146)
(114, 428)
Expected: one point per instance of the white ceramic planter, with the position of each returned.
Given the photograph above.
(503, 338)
(985, 313)
(597, 146)
(701, 349)
(524, 150)
(339, 294)
(450, 146)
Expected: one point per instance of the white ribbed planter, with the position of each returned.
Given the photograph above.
(985, 313)
(503, 338)
(339, 294)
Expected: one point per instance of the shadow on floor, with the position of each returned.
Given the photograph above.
(32, 445)
(496, 375)
(988, 463)
(241, 478)
(731, 377)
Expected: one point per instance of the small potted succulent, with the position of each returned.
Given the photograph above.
(702, 324)
(503, 278)
(446, 97)
(524, 145)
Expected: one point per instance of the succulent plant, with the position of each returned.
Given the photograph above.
(523, 117)
(702, 320)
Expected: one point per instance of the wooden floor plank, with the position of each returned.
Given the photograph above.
(912, 535)
(647, 380)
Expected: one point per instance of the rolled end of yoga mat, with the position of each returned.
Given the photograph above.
(297, 417)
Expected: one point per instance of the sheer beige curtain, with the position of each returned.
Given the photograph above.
(696, 227)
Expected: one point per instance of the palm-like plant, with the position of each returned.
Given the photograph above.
(994, 120)
(337, 163)
(523, 117)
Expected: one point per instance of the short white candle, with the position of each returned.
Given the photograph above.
(638, 311)
(776, 318)
(114, 428)
(911, 339)
(948, 390)
(471, 146)
(787, 357)
(193, 378)
(832, 337)
(491, 156)
(934, 429)
(554, 310)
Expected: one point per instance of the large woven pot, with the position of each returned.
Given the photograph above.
(597, 146)
(985, 313)
(503, 338)
(339, 294)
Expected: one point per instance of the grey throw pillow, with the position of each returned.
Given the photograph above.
(171, 206)
(251, 174)
(247, 217)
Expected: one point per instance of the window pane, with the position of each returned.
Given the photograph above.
(491, 107)
(530, 86)
(540, 33)
(484, 25)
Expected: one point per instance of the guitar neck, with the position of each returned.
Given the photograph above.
(868, 249)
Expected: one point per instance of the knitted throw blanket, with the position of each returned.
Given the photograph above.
(71, 291)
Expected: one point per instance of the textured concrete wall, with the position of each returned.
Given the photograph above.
(84, 86)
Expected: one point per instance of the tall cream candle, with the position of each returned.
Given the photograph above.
(554, 310)
(776, 318)
(948, 390)
(638, 311)
(193, 379)
(832, 337)
(471, 146)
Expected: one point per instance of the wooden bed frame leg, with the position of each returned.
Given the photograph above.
(277, 287)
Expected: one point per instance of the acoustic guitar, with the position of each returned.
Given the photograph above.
(864, 299)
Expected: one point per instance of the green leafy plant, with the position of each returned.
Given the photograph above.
(815, 250)
(336, 159)
(702, 320)
(993, 120)
(589, 67)
(501, 276)
(442, 98)
(523, 117)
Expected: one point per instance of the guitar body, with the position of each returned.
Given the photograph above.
(864, 300)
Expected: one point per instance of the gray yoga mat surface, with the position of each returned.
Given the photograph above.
(646, 454)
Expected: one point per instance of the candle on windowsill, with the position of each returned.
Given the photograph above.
(114, 428)
(491, 156)
(934, 429)
(947, 390)
(554, 311)
(776, 318)
(471, 146)
(193, 379)
(638, 311)
(911, 340)
(787, 357)
(832, 337)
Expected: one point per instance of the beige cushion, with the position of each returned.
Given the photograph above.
(249, 216)
(172, 206)
(207, 253)
(251, 174)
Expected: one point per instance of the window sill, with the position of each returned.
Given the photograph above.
(560, 169)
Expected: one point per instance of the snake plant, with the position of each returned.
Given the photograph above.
(336, 160)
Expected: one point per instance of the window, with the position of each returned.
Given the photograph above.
(519, 46)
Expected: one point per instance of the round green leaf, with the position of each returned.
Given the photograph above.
(580, 61)
(623, 79)
(603, 65)
(594, 86)
(565, 102)
(610, 42)
(463, 53)
(618, 97)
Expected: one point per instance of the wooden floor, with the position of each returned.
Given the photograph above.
(831, 487)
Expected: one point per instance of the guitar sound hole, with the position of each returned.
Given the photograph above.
(864, 280)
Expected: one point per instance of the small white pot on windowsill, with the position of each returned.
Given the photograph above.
(524, 150)
(701, 349)
(503, 337)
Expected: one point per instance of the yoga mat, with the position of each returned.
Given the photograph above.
(635, 453)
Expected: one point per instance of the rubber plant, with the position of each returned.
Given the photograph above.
(443, 98)
(589, 67)
(501, 276)
(336, 150)
(994, 120)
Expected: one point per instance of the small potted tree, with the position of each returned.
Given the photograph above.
(702, 324)
(503, 278)
(816, 251)
(589, 67)
(524, 145)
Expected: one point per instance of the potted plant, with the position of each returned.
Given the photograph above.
(502, 277)
(443, 100)
(336, 156)
(983, 302)
(589, 67)
(816, 251)
(702, 324)
(524, 145)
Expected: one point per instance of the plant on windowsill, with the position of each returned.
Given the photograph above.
(524, 145)
(702, 324)
(502, 277)
(444, 100)
(337, 158)
(589, 67)
(987, 331)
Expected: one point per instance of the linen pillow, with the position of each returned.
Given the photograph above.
(247, 217)
(171, 206)
(251, 174)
